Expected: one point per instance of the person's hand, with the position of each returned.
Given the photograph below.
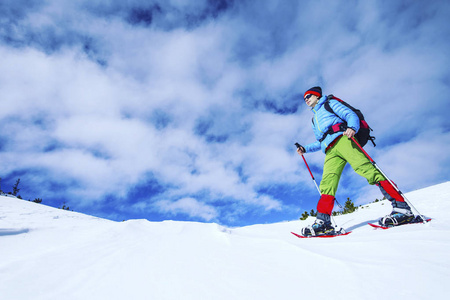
(301, 150)
(349, 132)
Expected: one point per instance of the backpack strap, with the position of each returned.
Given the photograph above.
(337, 127)
(328, 106)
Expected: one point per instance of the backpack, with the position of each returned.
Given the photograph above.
(363, 134)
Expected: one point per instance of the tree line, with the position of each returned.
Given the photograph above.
(348, 208)
(15, 191)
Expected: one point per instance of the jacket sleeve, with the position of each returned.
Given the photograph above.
(313, 147)
(346, 114)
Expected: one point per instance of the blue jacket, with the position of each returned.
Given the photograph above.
(324, 119)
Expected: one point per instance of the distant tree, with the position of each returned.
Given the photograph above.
(312, 213)
(349, 207)
(1, 185)
(37, 200)
(305, 216)
(16, 187)
(65, 207)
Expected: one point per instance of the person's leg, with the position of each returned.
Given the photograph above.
(361, 164)
(347, 149)
(332, 170)
(397, 200)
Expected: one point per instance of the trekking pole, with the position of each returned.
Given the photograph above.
(298, 147)
(389, 180)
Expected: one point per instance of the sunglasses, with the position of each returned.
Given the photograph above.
(308, 96)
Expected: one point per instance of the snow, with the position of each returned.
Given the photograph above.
(48, 253)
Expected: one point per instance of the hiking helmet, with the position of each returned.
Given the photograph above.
(317, 91)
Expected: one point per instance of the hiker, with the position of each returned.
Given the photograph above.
(339, 150)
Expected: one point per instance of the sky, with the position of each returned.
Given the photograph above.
(189, 110)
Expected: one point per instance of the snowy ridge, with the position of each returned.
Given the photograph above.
(48, 253)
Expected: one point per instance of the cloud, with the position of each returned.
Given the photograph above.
(182, 108)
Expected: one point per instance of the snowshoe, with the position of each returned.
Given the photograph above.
(318, 228)
(397, 218)
(417, 220)
(339, 233)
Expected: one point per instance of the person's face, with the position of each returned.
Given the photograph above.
(311, 100)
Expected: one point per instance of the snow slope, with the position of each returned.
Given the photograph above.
(48, 253)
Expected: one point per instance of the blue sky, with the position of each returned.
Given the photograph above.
(189, 110)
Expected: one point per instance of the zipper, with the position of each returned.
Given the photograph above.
(317, 125)
(317, 121)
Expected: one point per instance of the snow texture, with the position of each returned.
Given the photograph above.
(48, 253)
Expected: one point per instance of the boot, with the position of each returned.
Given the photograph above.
(396, 219)
(318, 228)
(401, 212)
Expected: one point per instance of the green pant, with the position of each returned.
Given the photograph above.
(345, 150)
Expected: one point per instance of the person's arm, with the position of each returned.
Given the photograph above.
(348, 116)
(313, 147)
